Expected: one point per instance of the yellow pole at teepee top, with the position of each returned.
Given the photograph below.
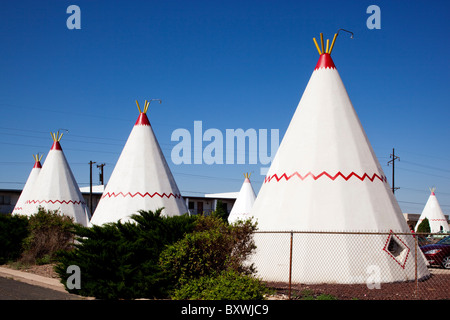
(332, 43)
(317, 46)
(329, 47)
(37, 158)
(147, 103)
(56, 136)
(321, 41)
(139, 108)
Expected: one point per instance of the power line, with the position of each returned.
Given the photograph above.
(68, 139)
(426, 166)
(434, 156)
(423, 191)
(422, 204)
(69, 149)
(426, 173)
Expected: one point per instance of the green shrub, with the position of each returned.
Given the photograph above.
(424, 226)
(49, 232)
(120, 260)
(309, 295)
(214, 246)
(228, 285)
(326, 297)
(13, 230)
(221, 211)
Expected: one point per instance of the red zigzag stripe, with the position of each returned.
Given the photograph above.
(113, 194)
(324, 173)
(56, 201)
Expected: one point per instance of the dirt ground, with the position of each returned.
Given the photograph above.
(437, 287)
(45, 270)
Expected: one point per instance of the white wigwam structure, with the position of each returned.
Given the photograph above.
(20, 207)
(433, 212)
(141, 179)
(56, 187)
(244, 202)
(326, 177)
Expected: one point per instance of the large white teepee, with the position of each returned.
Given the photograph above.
(20, 207)
(141, 179)
(56, 187)
(326, 177)
(433, 212)
(244, 202)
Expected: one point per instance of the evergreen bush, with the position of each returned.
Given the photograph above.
(13, 230)
(152, 255)
(221, 211)
(120, 260)
(424, 226)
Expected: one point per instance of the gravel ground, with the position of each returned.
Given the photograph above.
(435, 288)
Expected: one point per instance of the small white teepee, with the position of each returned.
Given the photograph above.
(326, 177)
(56, 187)
(433, 212)
(141, 179)
(244, 202)
(20, 207)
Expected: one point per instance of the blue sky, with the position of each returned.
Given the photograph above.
(229, 64)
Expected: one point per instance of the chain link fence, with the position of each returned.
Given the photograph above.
(351, 265)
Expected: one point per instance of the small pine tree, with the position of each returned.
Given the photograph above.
(424, 226)
(221, 211)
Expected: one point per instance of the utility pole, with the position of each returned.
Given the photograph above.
(100, 175)
(393, 157)
(90, 185)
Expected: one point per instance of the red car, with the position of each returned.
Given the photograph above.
(438, 253)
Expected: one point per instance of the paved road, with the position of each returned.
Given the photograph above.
(17, 290)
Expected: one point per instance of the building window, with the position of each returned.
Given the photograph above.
(5, 200)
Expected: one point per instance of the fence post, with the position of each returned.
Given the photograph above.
(415, 265)
(290, 266)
